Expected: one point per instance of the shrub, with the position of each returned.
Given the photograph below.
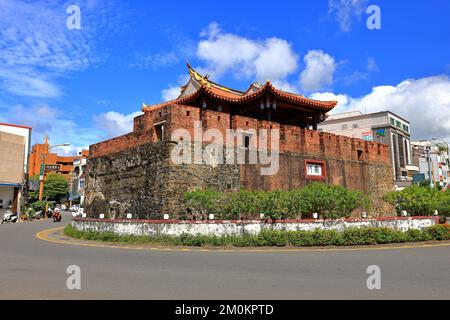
(204, 203)
(242, 204)
(444, 204)
(439, 232)
(419, 201)
(274, 238)
(331, 202)
(275, 204)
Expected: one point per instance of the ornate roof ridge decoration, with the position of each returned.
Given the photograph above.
(204, 80)
(219, 92)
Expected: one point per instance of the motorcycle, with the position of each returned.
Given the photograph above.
(9, 217)
(57, 216)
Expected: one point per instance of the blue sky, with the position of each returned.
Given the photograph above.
(83, 86)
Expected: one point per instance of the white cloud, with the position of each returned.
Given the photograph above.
(271, 58)
(171, 93)
(46, 120)
(115, 123)
(70, 150)
(276, 61)
(345, 11)
(424, 102)
(342, 99)
(286, 86)
(22, 83)
(319, 71)
(36, 47)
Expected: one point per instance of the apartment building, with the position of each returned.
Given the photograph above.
(14, 155)
(383, 127)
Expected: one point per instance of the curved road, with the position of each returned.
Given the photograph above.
(34, 269)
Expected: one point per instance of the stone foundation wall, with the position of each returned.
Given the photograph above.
(130, 181)
(144, 181)
(219, 228)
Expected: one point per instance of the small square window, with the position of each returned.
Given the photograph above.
(315, 169)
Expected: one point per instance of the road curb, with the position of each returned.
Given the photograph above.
(50, 235)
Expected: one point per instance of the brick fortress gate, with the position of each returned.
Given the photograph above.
(135, 174)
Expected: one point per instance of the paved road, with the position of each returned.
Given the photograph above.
(35, 269)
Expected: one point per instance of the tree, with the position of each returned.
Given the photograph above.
(55, 187)
(417, 201)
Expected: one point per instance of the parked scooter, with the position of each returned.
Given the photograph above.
(49, 212)
(9, 217)
(78, 213)
(38, 215)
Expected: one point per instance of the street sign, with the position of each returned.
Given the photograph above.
(42, 170)
(52, 167)
(419, 177)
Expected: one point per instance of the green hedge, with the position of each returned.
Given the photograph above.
(330, 202)
(267, 238)
(420, 201)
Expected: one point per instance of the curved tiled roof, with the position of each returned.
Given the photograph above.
(218, 92)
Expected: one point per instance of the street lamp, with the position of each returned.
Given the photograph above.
(43, 174)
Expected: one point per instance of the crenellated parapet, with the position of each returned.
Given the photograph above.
(158, 125)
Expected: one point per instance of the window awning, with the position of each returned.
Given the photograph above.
(14, 185)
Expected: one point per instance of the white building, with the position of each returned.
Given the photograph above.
(432, 161)
(78, 178)
(14, 156)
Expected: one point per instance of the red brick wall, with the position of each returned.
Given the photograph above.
(348, 161)
(121, 143)
(292, 139)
